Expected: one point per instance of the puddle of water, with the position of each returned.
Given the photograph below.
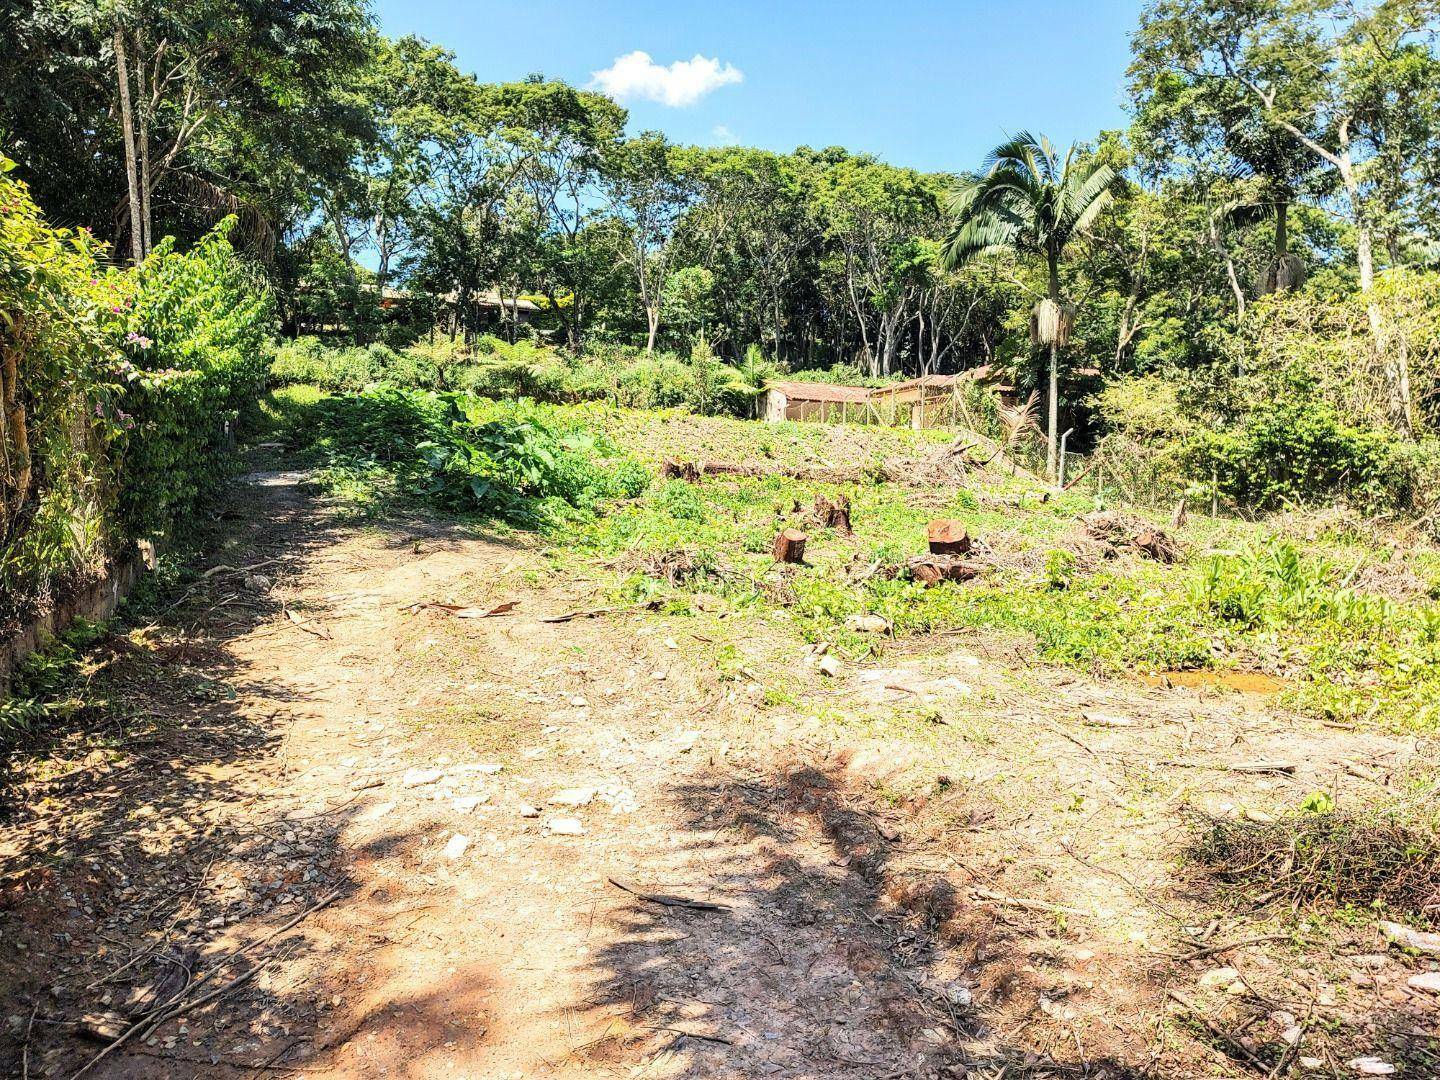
(1246, 682)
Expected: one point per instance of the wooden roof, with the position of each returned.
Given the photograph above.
(927, 382)
(817, 391)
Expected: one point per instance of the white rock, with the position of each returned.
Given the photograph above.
(658, 676)
(1430, 980)
(467, 803)
(959, 995)
(565, 826)
(868, 624)
(1102, 719)
(1411, 939)
(579, 703)
(380, 810)
(829, 666)
(1221, 976)
(575, 796)
(418, 777)
(671, 643)
(526, 810)
(457, 845)
(1372, 1066)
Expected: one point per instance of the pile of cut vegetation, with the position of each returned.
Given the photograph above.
(1332, 857)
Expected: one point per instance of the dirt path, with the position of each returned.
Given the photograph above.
(434, 812)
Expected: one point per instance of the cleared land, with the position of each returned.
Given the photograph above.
(994, 834)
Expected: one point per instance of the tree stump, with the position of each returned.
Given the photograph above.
(834, 513)
(681, 470)
(790, 546)
(948, 537)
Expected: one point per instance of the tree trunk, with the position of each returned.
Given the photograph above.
(127, 124)
(1053, 408)
(146, 100)
(652, 321)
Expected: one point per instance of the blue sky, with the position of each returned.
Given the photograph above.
(932, 86)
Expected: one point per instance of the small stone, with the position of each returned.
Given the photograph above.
(574, 797)
(526, 810)
(829, 666)
(1430, 980)
(419, 777)
(380, 810)
(457, 845)
(565, 826)
(467, 803)
(658, 676)
(579, 702)
(671, 643)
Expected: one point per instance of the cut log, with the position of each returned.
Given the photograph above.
(948, 537)
(931, 570)
(790, 546)
(834, 513)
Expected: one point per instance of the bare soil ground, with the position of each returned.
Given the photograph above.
(345, 836)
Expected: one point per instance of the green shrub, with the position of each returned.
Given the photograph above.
(1288, 451)
(196, 329)
(61, 388)
(467, 453)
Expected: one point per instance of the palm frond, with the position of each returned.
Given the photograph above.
(978, 236)
(1018, 151)
(1092, 194)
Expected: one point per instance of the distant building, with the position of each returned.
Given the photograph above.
(786, 400)
(928, 401)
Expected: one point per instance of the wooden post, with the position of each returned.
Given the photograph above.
(790, 546)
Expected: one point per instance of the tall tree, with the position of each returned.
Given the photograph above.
(648, 194)
(1032, 201)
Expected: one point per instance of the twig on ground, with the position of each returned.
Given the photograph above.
(309, 627)
(25, 1042)
(1024, 903)
(1211, 950)
(594, 613)
(1200, 1018)
(682, 1033)
(668, 901)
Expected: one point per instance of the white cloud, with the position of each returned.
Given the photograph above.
(723, 136)
(684, 82)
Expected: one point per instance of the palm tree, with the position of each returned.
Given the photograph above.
(1030, 201)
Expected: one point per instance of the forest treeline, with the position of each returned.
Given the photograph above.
(1250, 315)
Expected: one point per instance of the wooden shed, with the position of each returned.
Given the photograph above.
(826, 402)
